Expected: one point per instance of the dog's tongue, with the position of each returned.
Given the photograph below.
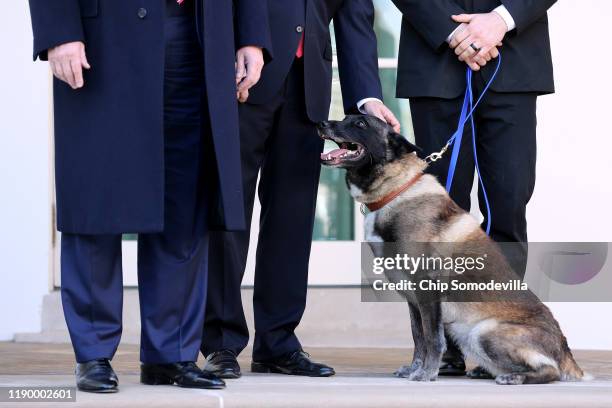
(333, 154)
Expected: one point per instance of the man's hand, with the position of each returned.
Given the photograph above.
(483, 31)
(481, 61)
(67, 62)
(474, 63)
(249, 63)
(378, 109)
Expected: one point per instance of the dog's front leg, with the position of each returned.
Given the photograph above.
(420, 347)
(435, 343)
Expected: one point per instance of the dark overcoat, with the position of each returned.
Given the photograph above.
(109, 141)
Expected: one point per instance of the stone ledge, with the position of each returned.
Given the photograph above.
(334, 317)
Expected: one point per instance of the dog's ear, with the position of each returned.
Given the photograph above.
(401, 145)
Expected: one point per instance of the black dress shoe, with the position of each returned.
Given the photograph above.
(186, 375)
(479, 373)
(453, 363)
(96, 376)
(294, 363)
(454, 368)
(223, 364)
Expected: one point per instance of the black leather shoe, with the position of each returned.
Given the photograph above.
(294, 363)
(223, 364)
(479, 373)
(454, 368)
(453, 363)
(186, 375)
(96, 376)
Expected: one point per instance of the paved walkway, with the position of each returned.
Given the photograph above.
(363, 380)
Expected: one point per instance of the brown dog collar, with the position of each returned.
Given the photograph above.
(377, 205)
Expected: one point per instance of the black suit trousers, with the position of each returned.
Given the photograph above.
(506, 146)
(278, 139)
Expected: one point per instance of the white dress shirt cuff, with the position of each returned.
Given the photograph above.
(505, 14)
(364, 101)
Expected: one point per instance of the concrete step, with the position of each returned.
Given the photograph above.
(334, 317)
(277, 391)
(363, 379)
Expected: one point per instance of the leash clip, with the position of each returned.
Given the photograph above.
(434, 157)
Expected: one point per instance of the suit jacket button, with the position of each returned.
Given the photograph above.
(299, 29)
(142, 12)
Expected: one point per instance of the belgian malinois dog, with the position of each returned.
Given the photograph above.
(518, 342)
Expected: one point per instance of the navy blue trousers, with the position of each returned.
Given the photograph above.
(172, 265)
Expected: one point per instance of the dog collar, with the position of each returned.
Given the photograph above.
(377, 205)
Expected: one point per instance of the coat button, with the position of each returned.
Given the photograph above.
(299, 29)
(142, 12)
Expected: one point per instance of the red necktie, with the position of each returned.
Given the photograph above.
(300, 50)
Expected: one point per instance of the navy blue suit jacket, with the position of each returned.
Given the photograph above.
(109, 135)
(355, 42)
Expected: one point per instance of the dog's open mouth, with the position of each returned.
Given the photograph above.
(347, 152)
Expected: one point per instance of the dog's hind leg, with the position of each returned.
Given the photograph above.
(420, 348)
(542, 375)
(509, 353)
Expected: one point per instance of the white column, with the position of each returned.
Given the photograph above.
(25, 207)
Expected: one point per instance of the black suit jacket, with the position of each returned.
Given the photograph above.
(356, 45)
(429, 68)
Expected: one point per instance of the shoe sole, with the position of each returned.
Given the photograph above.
(480, 377)
(212, 387)
(227, 375)
(261, 368)
(101, 391)
(159, 379)
(452, 373)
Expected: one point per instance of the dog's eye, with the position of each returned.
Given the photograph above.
(361, 124)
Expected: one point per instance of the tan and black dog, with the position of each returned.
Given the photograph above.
(517, 341)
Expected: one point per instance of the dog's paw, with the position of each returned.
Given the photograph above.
(406, 371)
(422, 375)
(510, 379)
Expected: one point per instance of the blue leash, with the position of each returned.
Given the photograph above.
(467, 113)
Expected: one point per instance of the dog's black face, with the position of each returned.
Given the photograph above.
(364, 142)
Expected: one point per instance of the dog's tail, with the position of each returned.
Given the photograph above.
(570, 371)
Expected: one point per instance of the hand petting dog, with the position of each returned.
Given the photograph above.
(382, 112)
(477, 39)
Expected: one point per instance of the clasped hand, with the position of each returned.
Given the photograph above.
(478, 38)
